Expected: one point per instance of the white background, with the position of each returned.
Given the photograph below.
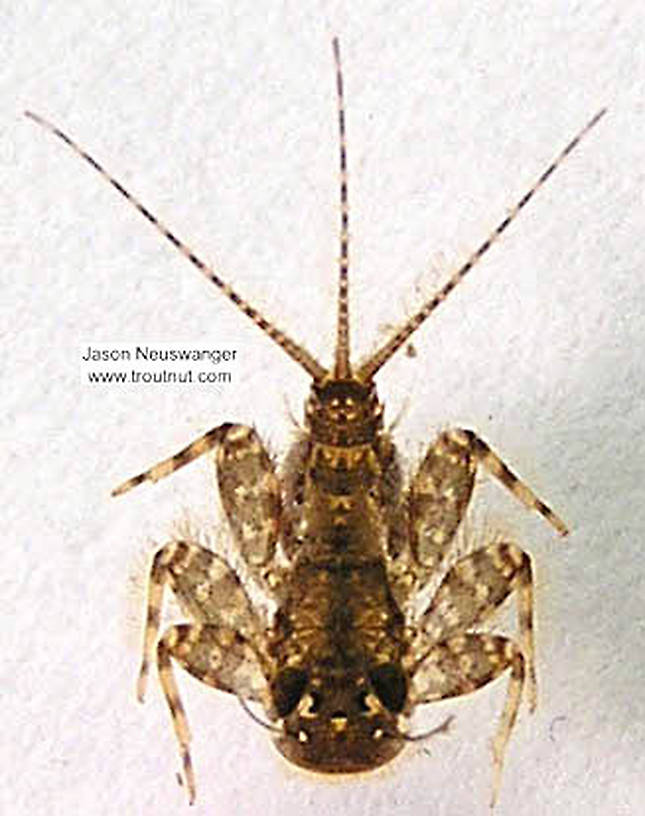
(221, 117)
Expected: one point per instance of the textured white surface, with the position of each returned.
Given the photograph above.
(221, 117)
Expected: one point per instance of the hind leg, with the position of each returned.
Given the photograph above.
(446, 660)
(218, 656)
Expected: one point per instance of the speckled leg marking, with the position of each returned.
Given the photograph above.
(346, 556)
(248, 484)
(218, 656)
(250, 493)
(439, 493)
(225, 651)
(204, 585)
(465, 663)
(449, 661)
(437, 499)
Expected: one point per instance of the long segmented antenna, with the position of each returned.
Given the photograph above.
(293, 349)
(342, 369)
(368, 369)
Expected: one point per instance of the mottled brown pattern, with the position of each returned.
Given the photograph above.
(250, 493)
(320, 616)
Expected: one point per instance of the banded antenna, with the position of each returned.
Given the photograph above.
(342, 368)
(370, 367)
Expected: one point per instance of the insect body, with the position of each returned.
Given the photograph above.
(343, 548)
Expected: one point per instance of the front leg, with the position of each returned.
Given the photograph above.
(164, 468)
(250, 493)
(491, 462)
(249, 490)
(440, 492)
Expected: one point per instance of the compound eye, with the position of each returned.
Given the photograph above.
(287, 690)
(390, 685)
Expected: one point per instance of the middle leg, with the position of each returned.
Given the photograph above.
(471, 592)
(206, 588)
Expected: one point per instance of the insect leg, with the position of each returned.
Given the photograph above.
(249, 487)
(162, 469)
(216, 655)
(465, 663)
(206, 588)
(475, 447)
(438, 497)
(177, 711)
(471, 592)
(250, 494)
(448, 661)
